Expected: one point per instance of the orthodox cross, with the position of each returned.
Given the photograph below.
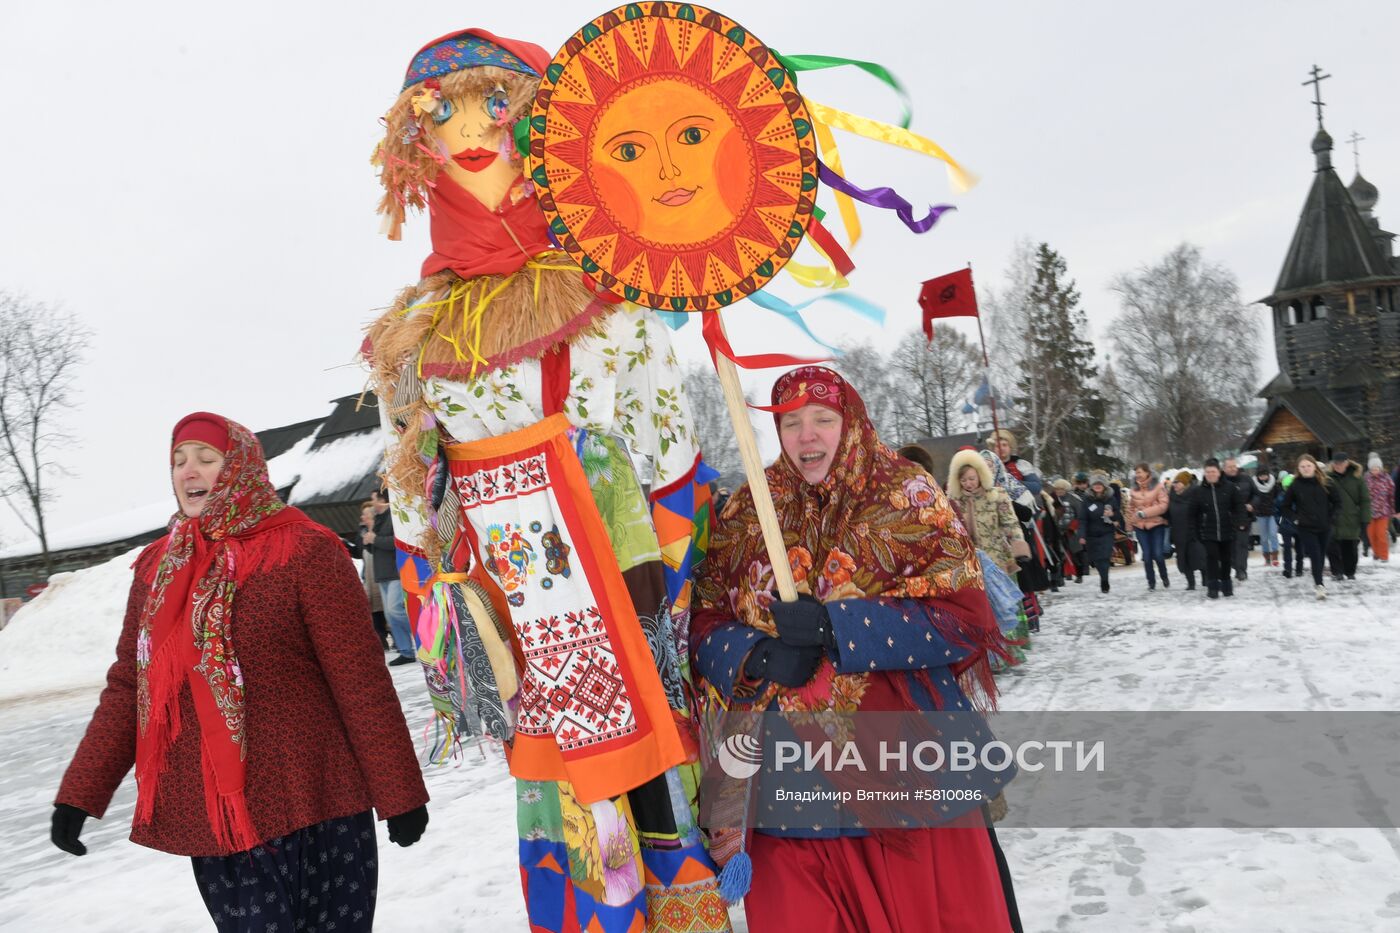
(1317, 78)
(1355, 149)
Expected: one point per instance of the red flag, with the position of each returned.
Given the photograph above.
(947, 296)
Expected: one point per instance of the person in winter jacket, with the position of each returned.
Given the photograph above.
(250, 695)
(1003, 443)
(380, 541)
(1220, 514)
(1310, 502)
(1070, 500)
(1261, 505)
(1382, 490)
(1022, 481)
(1184, 526)
(1239, 554)
(1147, 516)
(1287, 530)
(1097, 525)
(1050, 534)
(986, 511)
(1353, 512)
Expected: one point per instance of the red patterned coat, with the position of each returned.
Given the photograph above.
(326, 735)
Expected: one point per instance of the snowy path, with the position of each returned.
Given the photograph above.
(1271, 648)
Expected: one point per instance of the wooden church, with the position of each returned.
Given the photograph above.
(1336, 316)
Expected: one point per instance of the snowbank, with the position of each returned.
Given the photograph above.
(66, 638)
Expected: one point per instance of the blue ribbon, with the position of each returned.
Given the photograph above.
(793, 313)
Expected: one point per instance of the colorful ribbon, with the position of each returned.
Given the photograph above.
(886, 198)
(719, 343)
(826, 244)
(958, 177)
(826, 144)
(796, 63)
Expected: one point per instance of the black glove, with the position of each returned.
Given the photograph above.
(407, 828)
(776, 660)
(804, 623)
(67, 823)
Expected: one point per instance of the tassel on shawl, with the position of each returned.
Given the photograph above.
(163, 725)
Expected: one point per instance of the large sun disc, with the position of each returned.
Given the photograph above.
(673, 155)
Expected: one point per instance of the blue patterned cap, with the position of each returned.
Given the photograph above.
(461, 50)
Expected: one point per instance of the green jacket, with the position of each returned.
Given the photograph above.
(1354, 509)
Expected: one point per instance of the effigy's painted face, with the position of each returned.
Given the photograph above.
(467, 128)
(670, 163)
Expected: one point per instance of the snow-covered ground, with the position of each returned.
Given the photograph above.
(1272, 647)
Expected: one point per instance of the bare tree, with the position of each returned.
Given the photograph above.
(40, 351)
(868, 371)
(1186, 350)
(939, 376)
(712, 423)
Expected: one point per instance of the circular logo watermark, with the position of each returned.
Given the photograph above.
(740, 756)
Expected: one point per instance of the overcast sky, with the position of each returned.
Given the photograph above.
(193, 182)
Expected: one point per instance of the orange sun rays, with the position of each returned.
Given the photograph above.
(766, 203)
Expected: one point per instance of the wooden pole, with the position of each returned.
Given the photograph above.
(753, 471)
(986, 362)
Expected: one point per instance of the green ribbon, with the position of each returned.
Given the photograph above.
(521, 131)
(796, 63)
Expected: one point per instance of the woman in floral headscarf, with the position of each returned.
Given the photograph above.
(893, 616)
(243, 605)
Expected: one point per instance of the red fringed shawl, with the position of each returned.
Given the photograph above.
(186, 633)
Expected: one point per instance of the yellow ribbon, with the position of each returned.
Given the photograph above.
(473, 312)
(958, 177)
(815, 276)
(826, 142)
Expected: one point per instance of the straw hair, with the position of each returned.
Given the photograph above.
(407, 170)
(427, 332)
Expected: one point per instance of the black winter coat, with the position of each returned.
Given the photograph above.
(1262, 500)
(1181, 512)
(386, 566)
(1220, 510)
(1097, 533)
(1310, 504)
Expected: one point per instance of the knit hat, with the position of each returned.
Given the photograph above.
(1099, 478)
(1374, 461)
(1081, 477)
(202, 427)
(1000, 434)
(1185, 478)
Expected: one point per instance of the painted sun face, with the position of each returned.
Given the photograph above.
(657, 154)
(674, 157)
(467, 129)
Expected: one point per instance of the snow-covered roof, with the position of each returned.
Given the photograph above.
(316, 467)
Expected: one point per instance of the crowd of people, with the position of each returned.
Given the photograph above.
(1208, 520)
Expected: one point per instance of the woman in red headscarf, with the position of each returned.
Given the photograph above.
(244, 604)
(893, 617)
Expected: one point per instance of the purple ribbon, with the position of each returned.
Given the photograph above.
(886, 198)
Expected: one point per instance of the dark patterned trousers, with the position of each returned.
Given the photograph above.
(314, 880)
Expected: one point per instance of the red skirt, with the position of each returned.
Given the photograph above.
(946, 881)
